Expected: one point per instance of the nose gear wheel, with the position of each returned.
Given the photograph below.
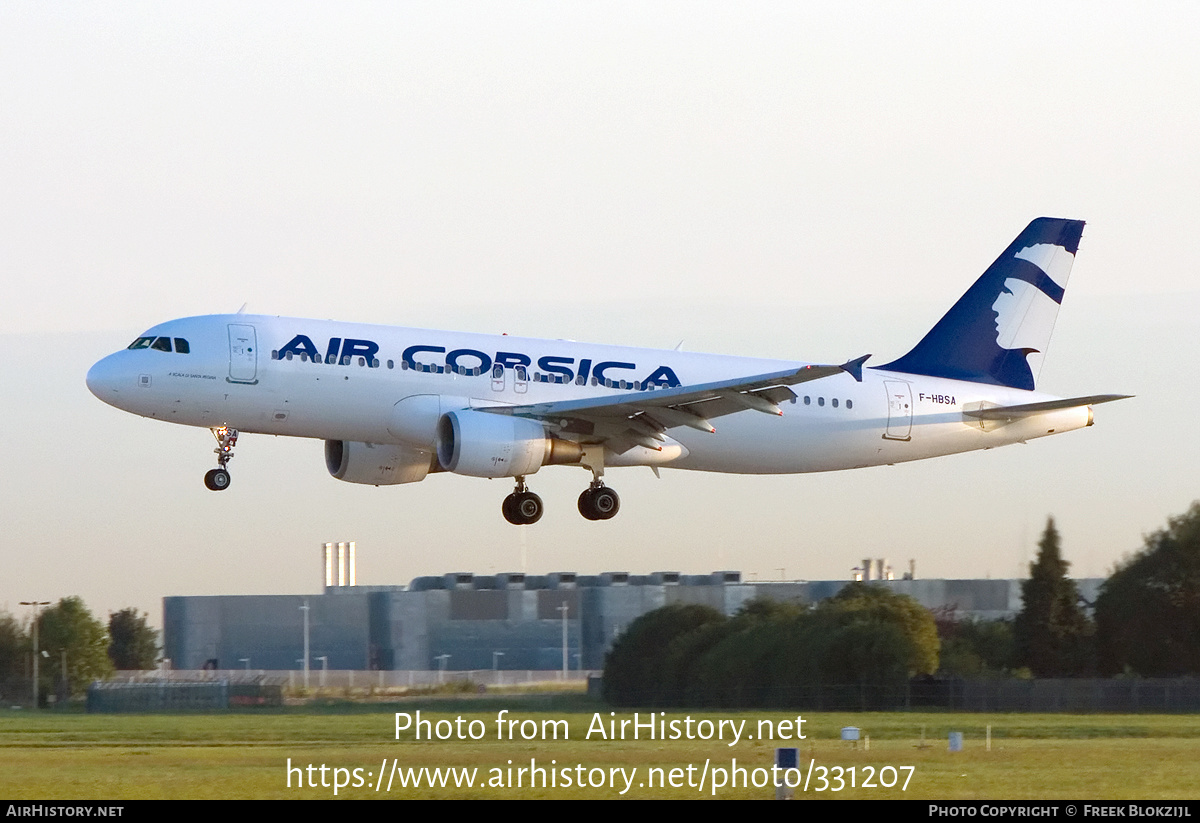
(218, 479)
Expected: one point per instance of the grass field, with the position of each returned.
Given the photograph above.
(245, 754)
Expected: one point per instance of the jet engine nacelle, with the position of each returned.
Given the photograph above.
(481, 444)
(377, 464)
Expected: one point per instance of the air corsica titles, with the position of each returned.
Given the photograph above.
(554, 369)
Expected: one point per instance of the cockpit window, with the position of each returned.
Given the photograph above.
(161, 344)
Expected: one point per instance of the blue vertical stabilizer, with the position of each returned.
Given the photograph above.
(999, 330)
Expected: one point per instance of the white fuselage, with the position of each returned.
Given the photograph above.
(257, 374)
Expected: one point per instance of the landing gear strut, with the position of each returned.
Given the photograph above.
(598, 501)
(218, 479)
(522, 507)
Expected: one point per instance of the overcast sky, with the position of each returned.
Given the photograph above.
(803, 181)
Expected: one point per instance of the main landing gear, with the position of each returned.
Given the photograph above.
(598, 501)
(522, 507)
(217, 479)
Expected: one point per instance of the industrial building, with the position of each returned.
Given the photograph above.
(462, 621)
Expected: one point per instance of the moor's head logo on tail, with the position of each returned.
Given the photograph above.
(998, 332)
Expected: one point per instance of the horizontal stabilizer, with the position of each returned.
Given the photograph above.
(854, 367)
(1030, 409)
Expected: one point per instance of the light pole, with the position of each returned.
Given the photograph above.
(563, 609)
(36, 604)
(304, 609)
(496, 665)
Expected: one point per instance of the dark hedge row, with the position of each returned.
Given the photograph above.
(865, 636)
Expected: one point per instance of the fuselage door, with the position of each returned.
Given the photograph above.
(243, 354)
(498, 377)
(899, 424)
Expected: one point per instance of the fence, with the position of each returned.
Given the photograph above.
(350, 680)
(1082, 695)
(161, 694)
(1124, 695)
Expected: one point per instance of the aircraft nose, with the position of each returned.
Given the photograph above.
(105, 379)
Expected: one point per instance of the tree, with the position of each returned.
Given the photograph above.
(772, 654)
(68, 627)
(14, 647)
(1053, 634)
(917, 646)
(634, 667)
(976, 648)
(1148, 611)
(133, 644)
(736, 663)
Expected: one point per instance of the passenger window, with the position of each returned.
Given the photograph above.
(820, 401)
(807, 400)
(834, 402)
(391, 365)
(849, 404)
(161, 344)
(181, 346)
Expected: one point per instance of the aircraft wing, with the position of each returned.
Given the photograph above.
(639, 418)
(1010, 413)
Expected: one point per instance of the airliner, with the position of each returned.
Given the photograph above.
(394, 405)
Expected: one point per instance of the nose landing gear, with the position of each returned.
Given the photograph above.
(522, 507)
(218, 479)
